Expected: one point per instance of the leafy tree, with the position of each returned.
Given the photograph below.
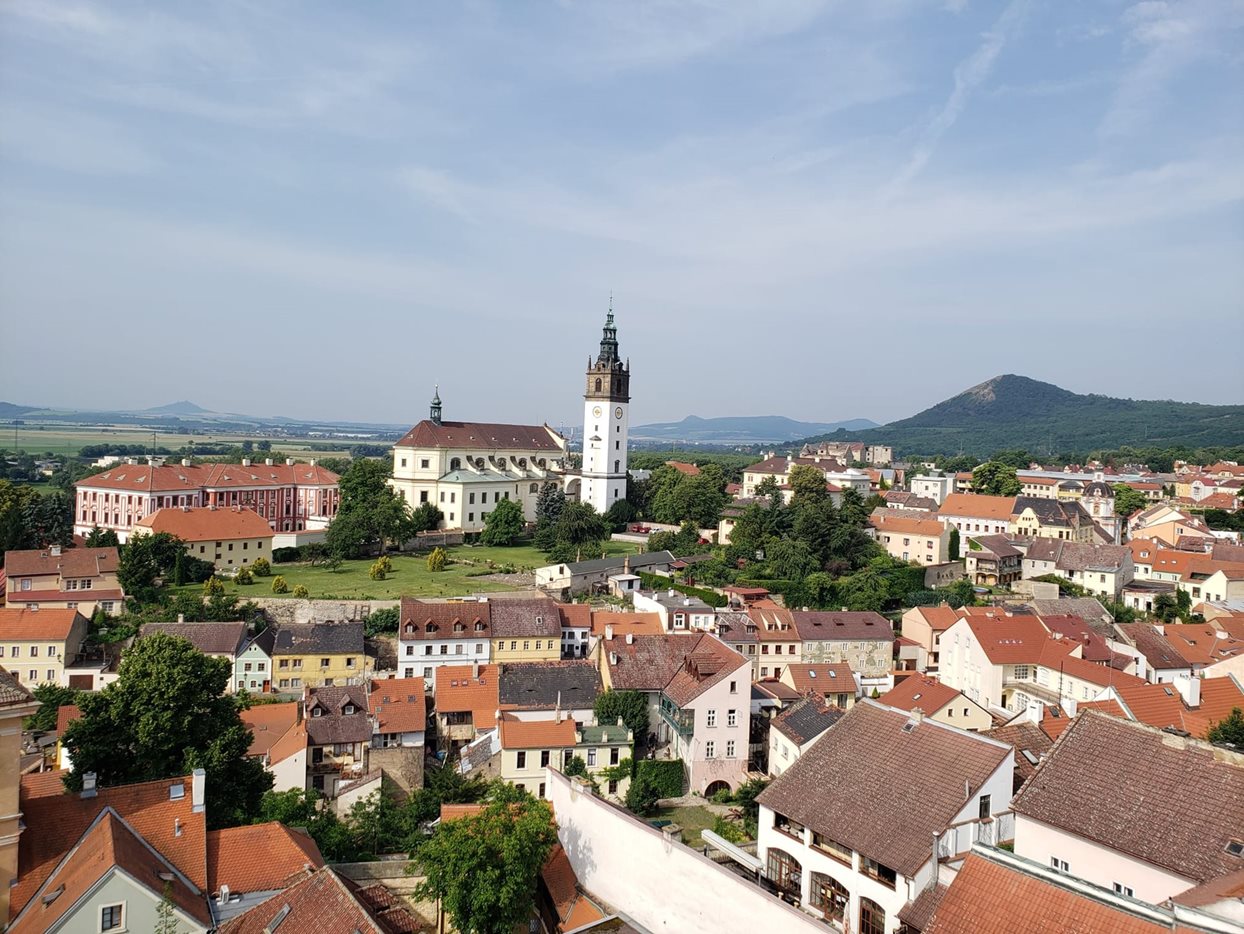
(144, 560)
(377, 572)
(484, 867)
(101, 538)
(621, 514)
(807, 484)
(425, 518)
(213, 586)
(686, 541)
(549, 504)
(382, 621)
(504, 524)
(370, 514)
(244, 576)
(437, 560)
(279, 584)
(994, 478)
(164, 716)
(1229, 730)
(1127, 500)
(630, 706)
(642, 795)
(51, 698)
(578, 524)
(576, 767)
(790, 558)
(952, 549)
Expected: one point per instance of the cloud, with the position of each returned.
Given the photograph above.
(72, 141)
(968, 76)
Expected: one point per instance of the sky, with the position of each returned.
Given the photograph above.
(818, 209)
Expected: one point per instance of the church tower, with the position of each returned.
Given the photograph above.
(606, 417)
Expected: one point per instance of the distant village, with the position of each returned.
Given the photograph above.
(836, 690)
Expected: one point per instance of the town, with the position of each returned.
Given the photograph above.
(831, 687)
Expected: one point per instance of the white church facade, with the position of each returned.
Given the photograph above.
(466, 468)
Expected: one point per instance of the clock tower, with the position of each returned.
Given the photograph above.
(606, 416)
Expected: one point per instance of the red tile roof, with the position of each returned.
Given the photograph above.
(206, 524)
(536, 734)
(458, 691)
(920, 691)
(456, 620)
(647, 624)
(399, 705)
(482, 435)
(65, 715)
(71, 562)
(268, 723)
(25, 624)
(710, 662)
(939, 618)
(258, 857)
(323, 903)
(904, 526)
(573, 909)
(1017, 640)
(974, 506)
(823, 678)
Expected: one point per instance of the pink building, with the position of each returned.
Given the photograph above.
(291, 496)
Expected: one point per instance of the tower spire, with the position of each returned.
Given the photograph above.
(436, 405)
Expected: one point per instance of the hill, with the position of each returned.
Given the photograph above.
(176, 408)
(745, 429)
(1009, 412)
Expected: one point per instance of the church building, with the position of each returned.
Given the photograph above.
(466, 468)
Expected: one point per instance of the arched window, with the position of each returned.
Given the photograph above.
(829, 897)
(784, 871)
(455, 463)
(872, 917)
(479, 627)
(598, 384)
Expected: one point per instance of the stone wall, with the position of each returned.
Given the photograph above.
(286, 610)
(402, 765)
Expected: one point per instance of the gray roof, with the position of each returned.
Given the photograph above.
(208, 638)
(333, 725)
(1088, 609)
(615, 562)
(12, 692)
(1052, 511)
(997, 545)
(539, 685)
(309, 638)
(1077, 556)
(672, 599)
(807, 719)
(522, 618)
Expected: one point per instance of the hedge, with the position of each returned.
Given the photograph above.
(286, 555)
(668, 775)
(657, 582)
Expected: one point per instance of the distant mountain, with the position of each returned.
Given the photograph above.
(177, 408)
(1017, 412)
(9, 410)
(746, 429)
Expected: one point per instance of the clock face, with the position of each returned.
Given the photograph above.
(596, 411)
(617, 413)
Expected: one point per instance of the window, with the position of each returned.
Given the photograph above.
(613, 756)
(984, 807)
(712, 717)
(734, 687)
(879, 871)
(513, 646)
(710, 749)
(542, 789)
(1121, 889)
(1021, 672)
(521, 759)
(784, 871)
(729, 749)
(544, 759)
(423, 463)
(732, 718)
(613, 786)
(1059, 865)
(111, 917)
(591, 757)
(832, 848)
(324, 662)
(829, 897)
(34, 651)
(872, 917)
(16, 651)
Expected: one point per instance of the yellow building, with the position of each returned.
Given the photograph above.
(1034, 517)
(229, 538)
(318, 655)
(525, 630)
(529, 747)
(81, 579)
(15, 704)
(36, 643)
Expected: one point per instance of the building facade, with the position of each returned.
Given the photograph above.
(82, 579)
(606, 418)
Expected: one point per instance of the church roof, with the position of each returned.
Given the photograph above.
(481, 435)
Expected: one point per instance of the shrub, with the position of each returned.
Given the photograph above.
(279, 585)
(301, 591)
(286, 555)
(385, 562)
(667, 776)
(642, 796)
(213, 586)
(437, 560)
(244, 576)
(261, 568)
(729, 830)
(381, 621)
(377, 571)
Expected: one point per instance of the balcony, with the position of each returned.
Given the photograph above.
(679, 720)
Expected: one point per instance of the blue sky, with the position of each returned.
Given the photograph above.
(818, 209)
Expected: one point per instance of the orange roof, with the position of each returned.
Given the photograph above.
(268, 723)
(292, 742)
(1110, 706)
(807, 678)
(639, 624)
(575, 615)
(920, 691)
(55, 820)
(939, 618)
(143, 478)
(258, 857)
(574, 909)
(1016, 640)
(203, 525)
(108, 843)
(884, 523)
(1156, 704)
(454, 811)
(977, 507)
(691, 470)
(1201, 643)
(65, 715)
(25, 624)
(458, 691)
(1219, 696)
(71, 562)
(399, 705)
(534, 734)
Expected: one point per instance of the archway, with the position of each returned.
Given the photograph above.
(714, 787)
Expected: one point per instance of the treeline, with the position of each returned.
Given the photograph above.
(1158, 459)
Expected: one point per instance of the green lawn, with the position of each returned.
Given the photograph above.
(691, 819)
(410, 575)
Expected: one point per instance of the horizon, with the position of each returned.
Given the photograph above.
(894, 201)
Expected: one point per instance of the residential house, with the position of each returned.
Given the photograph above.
(529, 747)
(83, 579)
(290, 497)
(937, 701)
(833, 681)
(1189, 705)
(778, 642)
(226, 538)
(977, 515)
(36, 644)
(432, 635)
(1039, 485)
(467, 699)
(862, 639)
(911, 502)
(253, 668)
(856, 858)
(575, 577)
(339, 734)
(279, 741)
(250, 864)
(677, 612)
(1102, 570)
(992, 560)
(398, 708)
(325, 902)
(544, 690)
(604, 749)
(793, 731)
(1034, 517)
(738, 630)
(923, 541)
(924, 626)
(936, 487)
(526, 630)
(216, 640)
(318, 655)
(606, 623)
(1030, 742)
(16, 703)
(576, 619)
(1079, 813)
(1162, 662)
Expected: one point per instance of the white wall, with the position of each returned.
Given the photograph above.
(290, 772)
(662, 885)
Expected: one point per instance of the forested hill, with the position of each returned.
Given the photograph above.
(1011, 411)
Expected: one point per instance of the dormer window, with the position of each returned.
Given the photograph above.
(430, 627)
(316, 712)
(458, 627)
(410, 628)
(479, 626)
(349, 709)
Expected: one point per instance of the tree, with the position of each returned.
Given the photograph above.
(549, 504)
(144, 560)
(214, 586)
(301, 591)
(1230, 730)
(101, 538)
(261, 568)
(642, 795)
(279, 584)
(578, 524)
(576, 767)
(1128, 501)
(164, 716)
(437, 560)
(484, 867)
(425, 518)
(371, 513)
(51, 698)
(995, 478)
(166, 919)
(807, 484)
(952, 550)
(629, 706)
(504, 524)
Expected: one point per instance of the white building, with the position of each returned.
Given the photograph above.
(933, 486)
(431, 635)
(678, 613)
(606, 417)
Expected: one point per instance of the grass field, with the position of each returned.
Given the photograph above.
(691, 819)
(410, 575)
(68, 440)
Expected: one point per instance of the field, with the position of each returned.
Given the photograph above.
(68, 440)
(692, 819)
(410, 575)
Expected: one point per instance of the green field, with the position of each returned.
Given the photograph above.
(692, 819)
(410, 575)
(68, 440)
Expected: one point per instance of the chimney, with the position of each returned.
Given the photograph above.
(185, 462)
(917, 714)
(289, 462)
(630, 638)
(313, 462)
(246, 462)
(475, 670)
(224, 895)
(181, 617)
(88, 785)
(613, 658)
(267, 461)
(55, 551)
(198, 791)
(609, 632)
(1190, 690)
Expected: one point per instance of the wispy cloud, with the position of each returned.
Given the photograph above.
(969, 74)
